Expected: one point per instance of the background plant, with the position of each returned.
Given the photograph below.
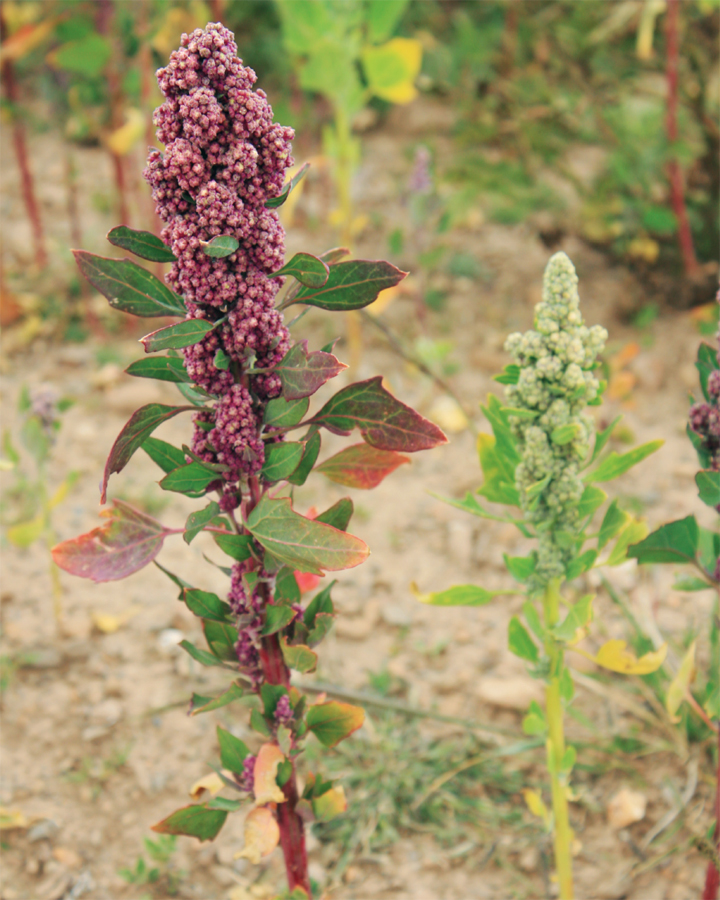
(217, 185)
(543, 460)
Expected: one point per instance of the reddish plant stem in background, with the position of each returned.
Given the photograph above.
(21, 154)
(677, 193)
(712, 877)
(217, 9)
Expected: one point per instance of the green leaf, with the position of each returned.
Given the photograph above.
(709, 487)
(258, 723)
(332, 722)
(221, 246)
(691, 583)
(384, 421)
(706, 363)
(320, 603)
(173, 337)
(350, 285)
(188, 478)
(87, 56)
(613, 520)
(233, 752)
(277, 618)
(195, 395)
(459, 595)
(498, 486)
(510, 375)
(616, 464)
(383, 17)
(141, 243)
(633, 532)
(565, 434)
(281, 460)
(591, 500)
(708, 548)
(274, 202)
(282, 413)
(235, 545)
(133, 435)
(580, 564)
(533, 619)
(304, 544)
(225, 803)
(338, 515)
(469, 504)
(520, 642)
(602, 437)
(201, 656)
(128, 287)
(676, 542)
(520, 567)
(578, 617)
(162, 368)
(305, 268)
(196, 821)
(392, 68)
(207, 605)
(164, 454)
(298, 656)
(221, 638)
(568, 759)
(534, 722)
(286, 587)
(221, 360)
(233, 693)
(311, 452)
(197, 521)
(567, 688)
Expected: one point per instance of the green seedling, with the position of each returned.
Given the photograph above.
(163, 874)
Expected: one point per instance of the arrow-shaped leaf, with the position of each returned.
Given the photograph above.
(196, 821)
(129, 287)
(384, 422)
(301, 543)
(302, 373)
(351, 285)
(141, 243)
(173, 337)
(126, 543)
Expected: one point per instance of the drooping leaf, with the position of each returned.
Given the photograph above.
(281, 460)
(138, 428)
(332, 722)
(235, 545)
(196, 820)
(207, 704)
(129, 541)
(233, 752)
(220, 246)
(613, 655)
(141, 243)
(616, 464)
(298, 657)
(128, 287)
(361, 466)
(207, 605)
(338, 515)
(311, 451)
(309, 270)
(519, 641)
(282, 413)
(265, 787)
(384, 422)
(162, 368)
(262, 834)
(708, 483)
(676, 542)
(350, 285)
(173, 337)
(460, 595)
(301, 543)
(302, 373)
(199, 655)
(274, 202)
(188, 479)
(198, 520)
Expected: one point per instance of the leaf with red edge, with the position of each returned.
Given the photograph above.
(361, 466)
(302, 543)
(196, 820)
(384, 422)
(332, 722)
(302, 373)
(141, 425)
(129, 541)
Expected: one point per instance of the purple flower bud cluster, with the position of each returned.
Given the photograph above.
(284, 712)
(246, 778)
(704, 418)
(223, 159)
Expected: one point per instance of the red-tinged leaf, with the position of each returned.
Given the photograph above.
(298, 656)
(350, 285)
(302, 373)
(361, 466)
(129, 541)
(384, 422)
(173, 337)
(306, 581)
(129, 287)
(265, 786)
(196, 820)
(302, 543)
(332, 722)
(141, 425)
(262, 834)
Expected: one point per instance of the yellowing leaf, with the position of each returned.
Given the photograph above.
(109, 624)
(265, 787)
(644, 248)
(124, 138)
(62, 492)
(211, 783)
(329, 804)
(25, 533)
(680, 684)
(262, 834)
(536, 806)
(13, 818)
(613, 655)
(392, 68)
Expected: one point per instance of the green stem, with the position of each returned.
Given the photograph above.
(556, 745)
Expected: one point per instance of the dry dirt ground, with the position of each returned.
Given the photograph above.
(97, 745)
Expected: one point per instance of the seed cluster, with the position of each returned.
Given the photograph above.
(223, 159)
(556, 381)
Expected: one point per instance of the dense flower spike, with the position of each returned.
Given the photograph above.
(556, 360)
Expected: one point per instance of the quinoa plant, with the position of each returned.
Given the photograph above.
(542, 461)
(247, 384)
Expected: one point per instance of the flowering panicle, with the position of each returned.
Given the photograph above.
(223, 159)
(555, 382)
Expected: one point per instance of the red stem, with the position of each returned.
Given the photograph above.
(712, 877)
(677, 193)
